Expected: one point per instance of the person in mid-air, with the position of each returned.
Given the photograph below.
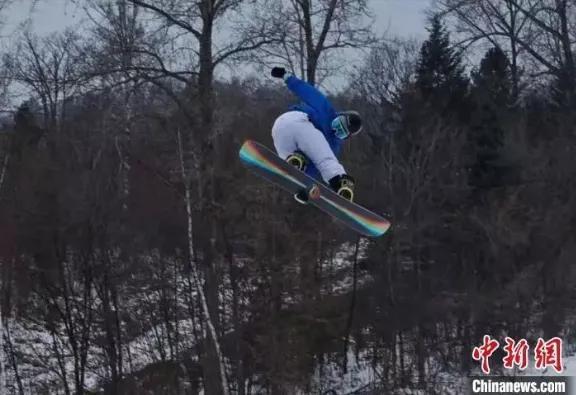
(310, 135)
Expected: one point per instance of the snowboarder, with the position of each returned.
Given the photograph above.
(310, 135)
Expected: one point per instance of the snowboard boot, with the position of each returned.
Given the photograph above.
(298, 160)
(343, 185)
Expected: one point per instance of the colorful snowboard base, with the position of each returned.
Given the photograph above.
(268, 165)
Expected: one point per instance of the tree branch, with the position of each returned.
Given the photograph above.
(530, 15)
(325, 27)
(167, 16)
(220, 57)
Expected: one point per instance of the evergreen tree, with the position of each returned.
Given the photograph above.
(491, 96)
(563, 89)
(493, 80)
(27, 132)
(440, 75)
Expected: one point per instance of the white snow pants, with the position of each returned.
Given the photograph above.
(292, 131)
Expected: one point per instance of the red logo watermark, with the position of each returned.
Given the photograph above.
(549, 353)
(546, 353)
(516, 354)
(484, 352)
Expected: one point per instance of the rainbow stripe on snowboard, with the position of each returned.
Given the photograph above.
(268, 165)
(253, 155)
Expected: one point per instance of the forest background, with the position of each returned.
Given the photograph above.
(137, 255)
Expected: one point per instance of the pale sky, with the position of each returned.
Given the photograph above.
(398, 17)
(404, 18)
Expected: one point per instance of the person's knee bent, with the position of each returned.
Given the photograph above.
(284, 134)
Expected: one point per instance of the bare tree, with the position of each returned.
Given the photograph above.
(119, 33)
(199, 21)
(193, 26)
(498, 21)
(541, 29)
(311, 32)
(4, 287)
(48, 68)
(196, 280)
(388, 71)
(554, 35)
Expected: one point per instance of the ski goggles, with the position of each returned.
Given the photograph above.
(340, 128)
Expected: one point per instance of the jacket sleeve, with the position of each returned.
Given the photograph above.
(308, 94)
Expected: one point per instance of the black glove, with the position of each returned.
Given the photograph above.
(278, 72)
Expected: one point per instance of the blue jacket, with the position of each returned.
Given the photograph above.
(320, 112)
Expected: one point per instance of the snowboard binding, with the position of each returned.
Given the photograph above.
(343, 185)
(303, 196)
(298, 160)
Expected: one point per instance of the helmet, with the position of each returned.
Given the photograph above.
(346, 124)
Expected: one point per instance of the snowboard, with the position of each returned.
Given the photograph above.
(270, 166)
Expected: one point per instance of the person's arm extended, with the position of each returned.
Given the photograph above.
(307, 93)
